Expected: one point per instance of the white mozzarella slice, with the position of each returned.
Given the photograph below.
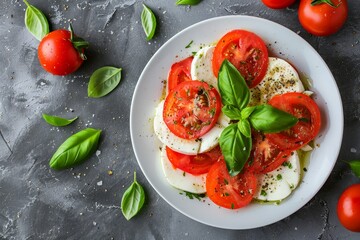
(279, 183)
(280, 78)
(201, 66)
(190, 147)
(180, 179)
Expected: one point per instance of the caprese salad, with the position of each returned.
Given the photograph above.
(233, 121)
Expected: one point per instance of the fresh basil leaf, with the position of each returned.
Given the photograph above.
(103, 81)
(57, 121)
(268, 119)
(76, 149)
(187, 2)
(148, 21)
(232, 112)
(232, 86)
(235, 147)
(244, 127)
(132, 200)
(36, 22)
(246, 112)
(355, 167)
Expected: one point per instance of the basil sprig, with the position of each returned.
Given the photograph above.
(57, 121)
(355, 167)
(148, 21)
(132, 200)
(76, 149)
(187, 2)
(235, 140)
(103, 81)
(35, 21)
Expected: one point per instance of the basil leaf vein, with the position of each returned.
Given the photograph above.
(76, 149)
(103, 81)
(188, 2)
(269, 119)
(36, 22)
(132, 200)
(232, 86)
(57, 121)
(235, 147)
(355, 167)
(148, 21)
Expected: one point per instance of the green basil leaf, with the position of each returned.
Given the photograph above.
(103, 81)
(36, 22)
(76, 149)
(235, 147)
(244, 127)
(57, 121)
(232, 86)
(132, 200)
(187, 2)
(269, 119)
(232, 112)
(246, 112)
(148, 21)
(355, 167)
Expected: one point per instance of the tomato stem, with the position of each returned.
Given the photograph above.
(329, 2)
(78, 43)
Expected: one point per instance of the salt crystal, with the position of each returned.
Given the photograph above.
(94, 223)
(99, 183)
(98, 152)
(353, 150)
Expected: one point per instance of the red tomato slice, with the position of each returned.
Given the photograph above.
(191, 109)
(308, 113)
(246, 51)
(196, 164)
(179, 72)
(265, 156)
(229, 192)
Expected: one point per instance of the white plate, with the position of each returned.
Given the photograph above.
(283, 43)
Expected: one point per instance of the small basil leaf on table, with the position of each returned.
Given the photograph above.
(235, 147)
(232, 112)
(36, 22)
(268, 119)
(148, 21)
(187, 2)
(244, 127)
(355, 167)
(232, 86)
(103, 81)
(57, 121)
(132, 200)
(76, 149)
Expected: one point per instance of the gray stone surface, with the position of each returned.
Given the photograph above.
(83, 203)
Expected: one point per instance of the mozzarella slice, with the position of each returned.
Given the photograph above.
(180, 179)
(279, 183)
(185, 146)
(280, 78)
(201, 66)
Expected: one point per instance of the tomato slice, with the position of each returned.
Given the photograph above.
(179, 72)
(265, 156)
(227, 191)
(246, 51)
(191, 109)
(194, 164)
(308, 113)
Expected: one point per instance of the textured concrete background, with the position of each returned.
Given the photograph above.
(83, 203)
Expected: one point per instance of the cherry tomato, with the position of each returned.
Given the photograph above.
(348, 208)
(194, 164)
(57, 54)
(246, 51)
(227, 191)
(191, 109)
(179, 72)
(265, 156)
(308, 126)
(322, 19)
(278, 4)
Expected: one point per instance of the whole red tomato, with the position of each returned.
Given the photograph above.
(277, 4)
(320, 18)
(348, 208)
(57, 53)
